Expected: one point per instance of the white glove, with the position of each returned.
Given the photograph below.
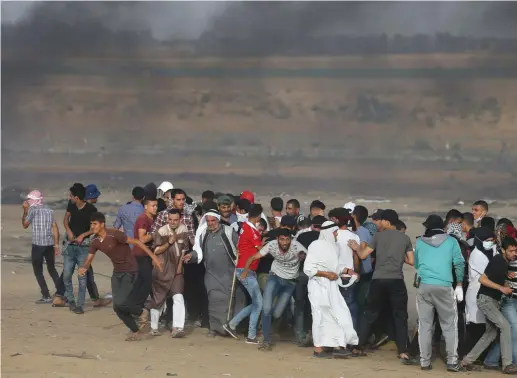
(458, 293)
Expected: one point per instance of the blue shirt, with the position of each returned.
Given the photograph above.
(126, 217)
(365, 237)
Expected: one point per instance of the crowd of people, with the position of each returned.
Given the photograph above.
(335, 277)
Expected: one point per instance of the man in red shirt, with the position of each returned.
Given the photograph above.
(250, 243)
(142, 232)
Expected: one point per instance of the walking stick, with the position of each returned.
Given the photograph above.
(232, 293)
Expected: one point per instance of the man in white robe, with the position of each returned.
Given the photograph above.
(332, 325)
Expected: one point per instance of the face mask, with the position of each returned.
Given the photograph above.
(477, 220)
(487, 245)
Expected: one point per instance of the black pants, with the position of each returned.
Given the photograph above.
(195, 294)
(145, 276)
(302, 309)
(90, 285)
(124, 287)
(37, 255)
(394, 292)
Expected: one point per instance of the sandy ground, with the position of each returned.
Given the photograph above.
(32, 333)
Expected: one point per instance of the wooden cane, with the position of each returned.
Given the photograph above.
(232, 293)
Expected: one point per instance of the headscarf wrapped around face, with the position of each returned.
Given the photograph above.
(456, 230)
(502, 231)
(35, 198)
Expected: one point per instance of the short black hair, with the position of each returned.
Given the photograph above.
(174, 211)
(138, 193)
(468, 218)
(504, 221)
(243, 204)
(98, 217)
(277, 204)
(318, 205)
(255, 211)
(400, 225)
(78, 190)
(209, 205)
(361, 213)
(294, 202)
(391, 216)
(481, 203)
(488, 222)
(208, 194)
(509, 242)
(189, 200)
(453, 214)
(147, 200)
(175, 192)
(283, 232)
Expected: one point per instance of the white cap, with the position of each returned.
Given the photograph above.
(350, 206)
(165, 186)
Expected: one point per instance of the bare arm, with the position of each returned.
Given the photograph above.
(409, 258)
(363, 253)
(25, 222)
(143, 236)
(149, 253)
(86, 265)
(357, 263)
(68, 231)
(55, 234)
(328, 275)
(485, 281)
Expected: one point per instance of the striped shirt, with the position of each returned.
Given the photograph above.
(512, 267)
(41, 219)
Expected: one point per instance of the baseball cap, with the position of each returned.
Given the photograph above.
(434, 221)
(303, 221)
(377, 214)
(390, 216)
(318, 220)
(92, 192)
(288, 221)
(350, 206)
(165, 186)
(224, 200)
(248, 195)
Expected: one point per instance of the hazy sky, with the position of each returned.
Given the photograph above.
(191, 19)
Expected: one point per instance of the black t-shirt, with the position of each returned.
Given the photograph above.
(496, 271)
(161, 205)
(80, 219)
(306, 239)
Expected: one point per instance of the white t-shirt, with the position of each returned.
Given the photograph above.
(346, 254)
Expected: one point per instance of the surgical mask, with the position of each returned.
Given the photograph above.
(477, 220)
(488, 244)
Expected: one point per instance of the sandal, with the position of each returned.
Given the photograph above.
(134, 336)
(155, 332)
(358, 353)
(102, 302)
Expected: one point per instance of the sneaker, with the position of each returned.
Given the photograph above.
(456, 368)
(155, 332)
(341, 353)
(426, 368)
(230, 331)
(177, 333)
(78, 310)
(254, 341)
(71, 306)
(266, 347)
(44, 300)
(510, 369)
(323, 354)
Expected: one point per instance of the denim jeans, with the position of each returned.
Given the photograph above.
(348, 294)
(74, 255)
(281, 289)
(509, 310)
(254, 309)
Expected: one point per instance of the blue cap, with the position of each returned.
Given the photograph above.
(92, 192)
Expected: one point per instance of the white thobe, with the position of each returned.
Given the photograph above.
(331, 320)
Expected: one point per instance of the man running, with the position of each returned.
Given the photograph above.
(115, 244)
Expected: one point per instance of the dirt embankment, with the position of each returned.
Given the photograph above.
(458, 105)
